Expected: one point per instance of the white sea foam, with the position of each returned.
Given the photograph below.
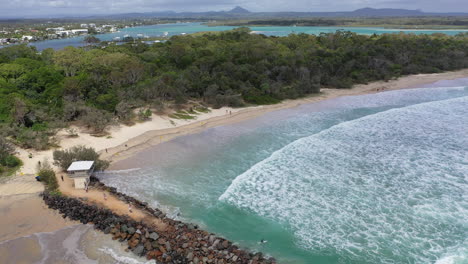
(389, 187)
(63, 245)
(117, 171)
(120, 259)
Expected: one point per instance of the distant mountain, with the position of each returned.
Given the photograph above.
(239, 10)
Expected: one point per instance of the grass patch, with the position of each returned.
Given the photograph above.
(55, 193)
(179, 115)
(202, 109)
(9, 165)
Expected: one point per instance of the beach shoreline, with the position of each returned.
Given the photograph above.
(26, 214)
(125, 141)
(154, 137)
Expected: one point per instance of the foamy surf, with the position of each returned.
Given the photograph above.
(191, 173)
(370, 187)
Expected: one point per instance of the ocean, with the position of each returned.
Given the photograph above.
(377, 178)
(187, 28)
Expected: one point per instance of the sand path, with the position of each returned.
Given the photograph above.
(20, 184)
(94, 196)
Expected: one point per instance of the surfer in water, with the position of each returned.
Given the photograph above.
(263, 241)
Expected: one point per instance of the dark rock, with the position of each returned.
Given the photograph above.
(178, 243)
(107, 230)
(154, 236)
(138, 250)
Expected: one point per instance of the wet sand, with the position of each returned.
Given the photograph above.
(26, 214)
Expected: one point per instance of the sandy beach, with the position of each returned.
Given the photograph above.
(26, 214)
(19, 194)
(124, 141)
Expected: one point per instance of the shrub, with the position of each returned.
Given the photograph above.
(48, 178)
(97, 120)
(64, 158)
(144, 115)
(47, 175)
(11, 161)
(6, 148)
(261, 99)
(40, 140)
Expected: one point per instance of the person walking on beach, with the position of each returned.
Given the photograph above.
(129, 208)
(105, 196)
(61, 176)
(106, 150)
(230, 113)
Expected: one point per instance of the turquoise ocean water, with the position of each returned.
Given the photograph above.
(379, 178)
(180, 28)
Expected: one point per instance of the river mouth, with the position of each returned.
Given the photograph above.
(362, 179)
(163, 30)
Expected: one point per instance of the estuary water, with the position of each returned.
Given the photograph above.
(378, 178)
(187, 28)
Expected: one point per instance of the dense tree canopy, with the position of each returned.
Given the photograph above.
(98, 85)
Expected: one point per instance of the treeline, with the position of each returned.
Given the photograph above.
(387, 22)
(42, 92)
(297, 22)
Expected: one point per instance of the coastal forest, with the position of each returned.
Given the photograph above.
(94, 86)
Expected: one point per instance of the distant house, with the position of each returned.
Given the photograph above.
(80, 171)
(79, 31)
(84, 25)
(63, 33)
(56, 29)
(27, 38)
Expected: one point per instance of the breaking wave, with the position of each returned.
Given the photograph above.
(385, 188)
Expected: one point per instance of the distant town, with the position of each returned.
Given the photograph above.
(31, 31)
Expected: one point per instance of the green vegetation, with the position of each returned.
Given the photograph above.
(202, 109)
(182, 115)
(421, 22)
(91, 39)
(47, 176)
(64, 158)
(95, 87)
(8, 162)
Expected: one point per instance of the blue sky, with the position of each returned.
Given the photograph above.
(44, 8)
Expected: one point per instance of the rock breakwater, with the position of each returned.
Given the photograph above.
(177, 242)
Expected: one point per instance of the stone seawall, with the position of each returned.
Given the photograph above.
(177, 243)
